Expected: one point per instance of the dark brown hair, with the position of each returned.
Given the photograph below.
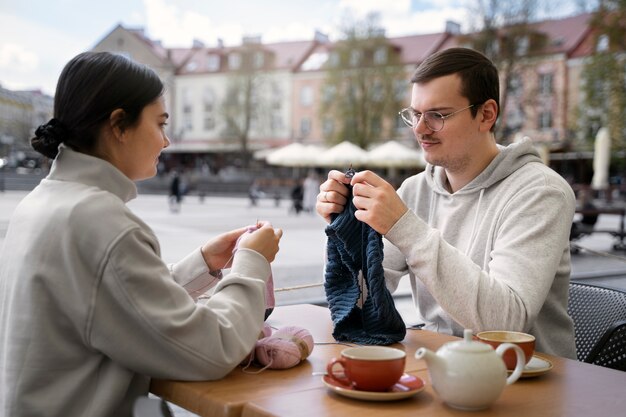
(479, 76)
(91, 86)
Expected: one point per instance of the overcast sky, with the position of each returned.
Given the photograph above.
(37, 37)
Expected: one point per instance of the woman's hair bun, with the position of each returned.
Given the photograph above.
(48, 137)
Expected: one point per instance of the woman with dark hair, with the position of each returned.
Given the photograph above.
(88, 310)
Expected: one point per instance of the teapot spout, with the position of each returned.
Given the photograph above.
(435, 363)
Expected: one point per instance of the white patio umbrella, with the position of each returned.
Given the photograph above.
(295, 155)
(601, 160)
(393, 154)
(342, 155)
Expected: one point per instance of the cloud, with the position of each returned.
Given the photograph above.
(16, 58)
(32, 56)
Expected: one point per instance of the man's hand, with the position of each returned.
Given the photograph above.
(333, 195)
(376, 201)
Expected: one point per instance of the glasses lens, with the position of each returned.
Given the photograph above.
(434, 120)
(408, 117)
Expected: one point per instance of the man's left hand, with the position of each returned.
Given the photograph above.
(376, 201)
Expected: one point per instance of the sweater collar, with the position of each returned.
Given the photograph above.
(73, 166)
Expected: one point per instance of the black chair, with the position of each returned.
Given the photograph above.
(599, 315)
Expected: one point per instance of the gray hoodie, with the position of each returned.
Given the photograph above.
(493, 255)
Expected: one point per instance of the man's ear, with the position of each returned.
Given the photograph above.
(116, 123)
(489, 112)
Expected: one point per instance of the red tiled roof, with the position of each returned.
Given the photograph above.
(414, 49)
(565, 34)
(290, 54)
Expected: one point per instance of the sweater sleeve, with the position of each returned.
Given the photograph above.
(166, 334)
(193, 274)
(527, 247)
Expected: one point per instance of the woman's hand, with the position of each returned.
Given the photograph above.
(333, 195)
(218, 251)
(264, 240)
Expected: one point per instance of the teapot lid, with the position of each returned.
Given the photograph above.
(468, 344)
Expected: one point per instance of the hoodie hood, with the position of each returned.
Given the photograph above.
(509, 159)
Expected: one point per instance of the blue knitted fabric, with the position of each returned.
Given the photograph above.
(377, 322)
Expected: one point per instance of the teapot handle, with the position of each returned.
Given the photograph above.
(521, 361)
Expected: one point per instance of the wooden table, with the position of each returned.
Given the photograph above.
(571, 388)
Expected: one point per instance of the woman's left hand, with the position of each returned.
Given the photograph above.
(218, 251)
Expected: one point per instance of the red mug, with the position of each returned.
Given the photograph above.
(496, 337)
(368, 368)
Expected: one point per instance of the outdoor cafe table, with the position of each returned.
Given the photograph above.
(570, 388)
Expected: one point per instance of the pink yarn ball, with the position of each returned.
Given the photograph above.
(286, 348)
(265, 332)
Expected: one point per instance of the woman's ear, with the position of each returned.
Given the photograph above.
(116, 123)
(489, 111)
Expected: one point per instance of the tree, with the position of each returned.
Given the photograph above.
(243, 108)
(604, 76)
(360, 96)
(504, 33)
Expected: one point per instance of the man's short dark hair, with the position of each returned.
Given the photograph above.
(479, 77)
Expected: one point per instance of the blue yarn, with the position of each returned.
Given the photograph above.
(377, 322)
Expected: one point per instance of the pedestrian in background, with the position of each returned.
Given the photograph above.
(176, 195)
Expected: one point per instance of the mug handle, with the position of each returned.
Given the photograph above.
(521, 360)
(331, 373)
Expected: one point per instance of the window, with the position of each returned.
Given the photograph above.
(515, 85)
(234, 61)
(356, 57)
(380, 56)
(603, 43)
(305, 126)
(213, 62)
(187, 99)
(545, 83)
(334, 60)
(545, 119)
(259, 59)
(328, 126)
(208, 99)
(402, 90)
(306, 96)
(375, 126)
(328, 93)
(521, 47)
(276, 121)
(377, 91)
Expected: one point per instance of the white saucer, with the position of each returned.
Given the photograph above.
(537, 365)
(408, 386)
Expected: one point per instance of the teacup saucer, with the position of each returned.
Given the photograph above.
(408, 386)
(537, 365)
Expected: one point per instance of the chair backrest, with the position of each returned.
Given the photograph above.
(610, 351)
(597, 313)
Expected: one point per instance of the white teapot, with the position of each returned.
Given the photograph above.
(470, 375)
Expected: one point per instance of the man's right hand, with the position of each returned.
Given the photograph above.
(333, 195)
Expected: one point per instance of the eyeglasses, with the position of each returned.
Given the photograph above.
(433, 119)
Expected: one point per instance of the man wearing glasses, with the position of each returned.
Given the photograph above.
(483, 231)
